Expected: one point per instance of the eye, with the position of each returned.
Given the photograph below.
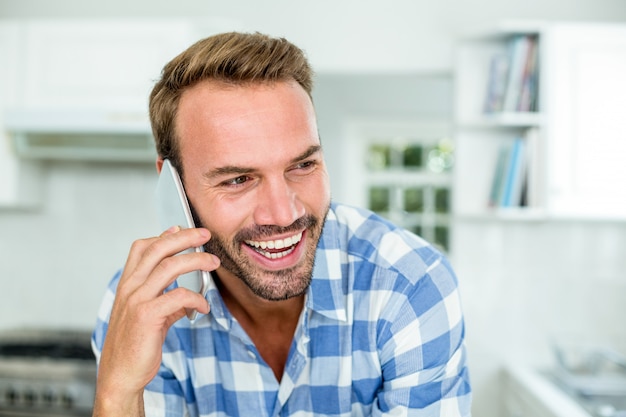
(306, 165)
(236, 181)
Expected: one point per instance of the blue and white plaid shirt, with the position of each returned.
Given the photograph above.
(382, 333)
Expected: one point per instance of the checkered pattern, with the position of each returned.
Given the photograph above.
(382, 333)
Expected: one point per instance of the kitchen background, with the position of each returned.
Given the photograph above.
(526, 284)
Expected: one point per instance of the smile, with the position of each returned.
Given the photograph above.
(275, 249)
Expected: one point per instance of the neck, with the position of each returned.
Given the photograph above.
(269, 324)
(241, 301)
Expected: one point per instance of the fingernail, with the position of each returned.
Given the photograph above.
(172, 229)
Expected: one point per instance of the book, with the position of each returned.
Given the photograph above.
(515, 175)
(534, 172)
(529, 83)
(496, 88)
(518, 53)
(510, 185)
(513, 77)
(499, 176)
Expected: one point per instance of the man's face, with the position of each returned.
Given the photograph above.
(255, 176)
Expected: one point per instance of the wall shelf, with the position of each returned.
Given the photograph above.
(572, 143)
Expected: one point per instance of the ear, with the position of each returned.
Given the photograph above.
(159, 164)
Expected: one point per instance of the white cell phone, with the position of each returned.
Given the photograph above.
(173, 210)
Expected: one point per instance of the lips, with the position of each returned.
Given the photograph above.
(275, 249)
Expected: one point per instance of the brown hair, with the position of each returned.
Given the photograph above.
(231, 58)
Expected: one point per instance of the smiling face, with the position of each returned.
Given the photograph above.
(255, 176)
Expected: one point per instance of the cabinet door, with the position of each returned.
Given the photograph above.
(586, 101)
(100, 63)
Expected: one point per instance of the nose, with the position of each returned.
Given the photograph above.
(277, 203)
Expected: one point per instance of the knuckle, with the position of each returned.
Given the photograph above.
(139, 245)
(125, 286)
(133, 298)
(150, 249)
(167, 264)
(123, 290)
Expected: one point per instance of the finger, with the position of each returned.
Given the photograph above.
(172, 304)
(170, 243)
(164, 274)
(135, 255)
(172, 229)
(139, 247)
(148, 253)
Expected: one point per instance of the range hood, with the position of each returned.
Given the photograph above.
(80, 134)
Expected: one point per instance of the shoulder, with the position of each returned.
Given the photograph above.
(369, 239)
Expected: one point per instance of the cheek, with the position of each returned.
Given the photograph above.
(318, 194)
(224, 217)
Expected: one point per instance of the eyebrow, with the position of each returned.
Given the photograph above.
(236, 170)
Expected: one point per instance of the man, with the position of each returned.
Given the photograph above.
(314, 308)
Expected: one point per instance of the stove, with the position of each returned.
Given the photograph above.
(48, 373)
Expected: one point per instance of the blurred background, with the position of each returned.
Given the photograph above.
(401, 92)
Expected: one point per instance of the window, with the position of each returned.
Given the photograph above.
(406, 175)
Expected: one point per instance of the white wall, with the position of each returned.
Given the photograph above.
(530, 285)
(58, 259)
(340, 98)
(523, 283)
(347, 35)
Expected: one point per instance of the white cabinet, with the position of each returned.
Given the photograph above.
(96, 63)
(78, 89)
(574, 138)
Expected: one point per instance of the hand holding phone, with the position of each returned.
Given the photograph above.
(173, 210)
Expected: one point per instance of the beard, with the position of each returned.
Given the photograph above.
(269, 285)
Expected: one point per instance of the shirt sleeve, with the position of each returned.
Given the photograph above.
(104, 314)
(422, 350)
(163, 397)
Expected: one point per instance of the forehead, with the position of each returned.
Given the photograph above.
(237, 124)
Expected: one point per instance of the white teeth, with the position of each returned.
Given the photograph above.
(275, 244)
(276, 255)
